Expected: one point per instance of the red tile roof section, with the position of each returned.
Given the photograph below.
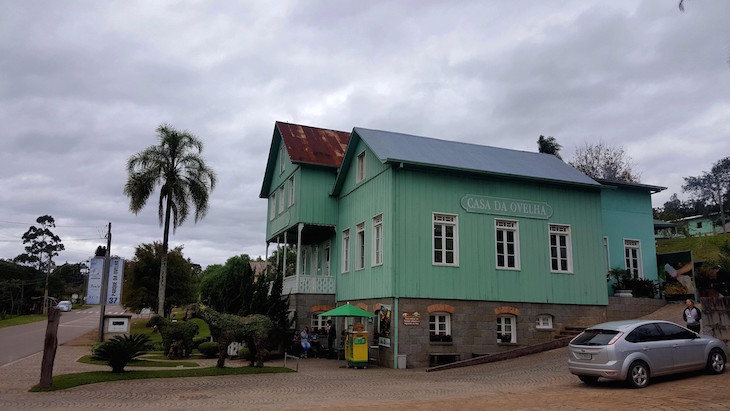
(313, 145)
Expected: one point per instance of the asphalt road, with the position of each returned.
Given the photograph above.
(21, 341)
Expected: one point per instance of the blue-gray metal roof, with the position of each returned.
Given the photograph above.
(409, 149)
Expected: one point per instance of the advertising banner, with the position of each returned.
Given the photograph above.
(114, 285)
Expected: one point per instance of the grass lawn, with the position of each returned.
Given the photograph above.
(86, 359)
(10, 320)
(703, 248)
(62, 382)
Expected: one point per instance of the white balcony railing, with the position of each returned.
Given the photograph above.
(309, 284)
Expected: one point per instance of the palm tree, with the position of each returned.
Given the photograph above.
(549, 145)
(184, 178)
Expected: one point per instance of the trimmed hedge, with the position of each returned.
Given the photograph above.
(209, 349)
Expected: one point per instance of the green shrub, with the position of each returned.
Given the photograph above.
(156, 320)
(209, 349)
(121, 349)
(199, 340)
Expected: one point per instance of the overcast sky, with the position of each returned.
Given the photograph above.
(84, 84)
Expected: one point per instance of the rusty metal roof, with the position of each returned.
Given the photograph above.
(313, 145)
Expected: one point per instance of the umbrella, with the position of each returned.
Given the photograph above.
(347, 310)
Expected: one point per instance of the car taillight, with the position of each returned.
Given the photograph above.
(615, 338)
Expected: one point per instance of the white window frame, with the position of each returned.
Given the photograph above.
(544, 322)
(281, 158)
(318, 322)
(282, 199)
(360, 167)
(378, 240)
(507, 226)
(272, 206)
(292, 192)
(608, 255)
(439, 318)
(443, 221)
(346, 250)
(507, 327)
(636, 271)
(305, 254)
(557, 231)
(315, 260)
(327, 257)
(360, 246)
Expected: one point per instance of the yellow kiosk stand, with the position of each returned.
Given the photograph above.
(356, 347)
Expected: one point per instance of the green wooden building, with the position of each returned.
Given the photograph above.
(460, 249)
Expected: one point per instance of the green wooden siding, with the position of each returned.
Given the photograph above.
(627, 214)
(359, 203)
(420, 194)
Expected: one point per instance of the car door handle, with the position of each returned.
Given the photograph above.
(645, 348)
(675, 346)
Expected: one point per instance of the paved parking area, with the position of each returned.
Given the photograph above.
(536, 382)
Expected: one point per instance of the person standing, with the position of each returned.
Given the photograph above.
(331, 336)
(692, 315)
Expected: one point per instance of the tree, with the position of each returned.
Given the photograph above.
(42, 246)
(604, 162)
(141, 278)
(549, 145)
(712, 187)
(184, 179)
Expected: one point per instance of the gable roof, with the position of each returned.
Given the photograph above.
(305, 145)
(408, 149)
(312, 145)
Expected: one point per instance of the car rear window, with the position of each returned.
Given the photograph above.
(594, 337)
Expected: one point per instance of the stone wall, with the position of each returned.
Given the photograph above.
(621, 308)
(303, 304)
(716, 317)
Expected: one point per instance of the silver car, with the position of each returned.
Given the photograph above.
(64, 306)
(636, 350)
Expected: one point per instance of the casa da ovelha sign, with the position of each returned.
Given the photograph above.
(506, 206)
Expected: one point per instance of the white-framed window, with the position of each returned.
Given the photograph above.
(327, 258)
(281, 199)
(316, 262)
(445, 239)
(507, 235)
(439, 324)
(291, 315)
(561, 249)
(305, 259)
(360, 247)
(282, 157)
(632, 254)
(346, 250)
(272, 206)
(507, 328)
(378, 239)
(317, 321)
(544, 322)
(360, 173)
(292, 192)
(607, 251)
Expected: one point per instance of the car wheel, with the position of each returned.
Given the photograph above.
(716, 361)
(638, 375)
(588, 379)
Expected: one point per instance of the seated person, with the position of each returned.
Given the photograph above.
(316, 346)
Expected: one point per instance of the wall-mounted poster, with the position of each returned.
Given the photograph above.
(384, 325)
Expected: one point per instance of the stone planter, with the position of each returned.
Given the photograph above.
(623, 293)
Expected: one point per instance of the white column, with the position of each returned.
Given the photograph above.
(300, 227)
(285, 249)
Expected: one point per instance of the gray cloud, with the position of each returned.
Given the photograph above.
(83, 85)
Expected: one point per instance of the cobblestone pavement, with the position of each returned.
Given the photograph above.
(536, 382)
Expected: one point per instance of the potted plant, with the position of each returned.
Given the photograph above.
(622, 286)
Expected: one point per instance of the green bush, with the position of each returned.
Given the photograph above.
(209, 349)
(199, 340)
(121, 349)
(156, 320)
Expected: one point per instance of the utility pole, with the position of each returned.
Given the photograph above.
(104, 281)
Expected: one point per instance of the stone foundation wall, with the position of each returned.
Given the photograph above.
(716, 317)
(303, 304)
